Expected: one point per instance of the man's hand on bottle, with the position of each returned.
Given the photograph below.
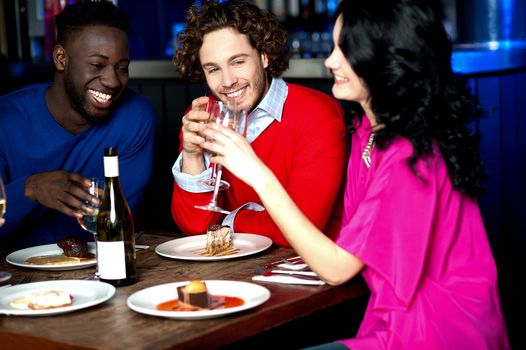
(59, 190)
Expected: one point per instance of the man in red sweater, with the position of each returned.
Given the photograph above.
(299, 133)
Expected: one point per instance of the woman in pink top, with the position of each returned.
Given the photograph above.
(411, 226)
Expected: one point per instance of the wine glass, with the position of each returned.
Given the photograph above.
(89, 221)
(3, 200)
(4, 275)
(214, 107)
(226, 115)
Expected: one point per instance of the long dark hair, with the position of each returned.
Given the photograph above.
(402, 52)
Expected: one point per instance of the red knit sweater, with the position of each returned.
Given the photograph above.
(307, 153)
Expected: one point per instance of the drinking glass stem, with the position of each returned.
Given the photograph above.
(218, 182)
(96, 254)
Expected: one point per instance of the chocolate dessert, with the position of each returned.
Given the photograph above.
(194, 293)
(74, 247)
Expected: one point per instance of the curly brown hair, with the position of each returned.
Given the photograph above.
(265, 34)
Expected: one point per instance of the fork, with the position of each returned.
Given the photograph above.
(25, 279)
(291, 262)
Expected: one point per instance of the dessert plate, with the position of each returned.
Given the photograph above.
(19, 257)
(85, 294)
(146, 300)
(185, 248)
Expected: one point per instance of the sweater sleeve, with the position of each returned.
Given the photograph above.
(315, 167)
(137, 152)
(190, 220)
(19, 206)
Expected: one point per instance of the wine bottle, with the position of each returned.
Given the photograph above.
(115, 231)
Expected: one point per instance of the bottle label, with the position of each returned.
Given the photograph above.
(111, 260)
(111, 166)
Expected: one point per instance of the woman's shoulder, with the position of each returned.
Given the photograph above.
(398, 153)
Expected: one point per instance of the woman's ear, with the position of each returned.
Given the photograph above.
(59, 57)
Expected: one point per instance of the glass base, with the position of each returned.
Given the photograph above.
(212, 207)
(5, 276)
(212, 182)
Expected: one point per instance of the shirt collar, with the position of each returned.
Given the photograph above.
(273, 102)
(364, 129)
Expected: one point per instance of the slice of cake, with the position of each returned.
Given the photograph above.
(218, 239)
(194, 293)
(44, 299)
(48, 299)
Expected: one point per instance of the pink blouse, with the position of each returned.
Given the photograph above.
(427, 259)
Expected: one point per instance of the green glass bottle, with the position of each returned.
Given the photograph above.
(115, 230)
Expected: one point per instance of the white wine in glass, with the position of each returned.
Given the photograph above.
(236, 120)
(3, 200)
(89, 221)
(4, 275)
(214, 108)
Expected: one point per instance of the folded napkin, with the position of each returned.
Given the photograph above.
(294, 267)
(287, 280)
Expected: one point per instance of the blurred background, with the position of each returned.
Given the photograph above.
(489, 39)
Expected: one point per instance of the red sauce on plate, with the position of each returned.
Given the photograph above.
(216, 302)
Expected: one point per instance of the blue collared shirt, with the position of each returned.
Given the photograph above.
(269, 109)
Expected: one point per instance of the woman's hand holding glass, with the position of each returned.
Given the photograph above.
(225, 115)
(233, 151)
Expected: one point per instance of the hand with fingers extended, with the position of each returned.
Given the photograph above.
(62, 191)
(193, 124)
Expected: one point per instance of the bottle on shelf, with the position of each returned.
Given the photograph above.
(115, 229)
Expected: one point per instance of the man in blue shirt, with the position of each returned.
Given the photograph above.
(52, 136)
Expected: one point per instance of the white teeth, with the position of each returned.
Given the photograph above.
(339, 78)
(100, 96)
(235, 93)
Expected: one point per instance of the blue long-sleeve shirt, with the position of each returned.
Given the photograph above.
(31, 141)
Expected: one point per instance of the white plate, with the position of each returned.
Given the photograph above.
(85, 294)
(146, 300)
(19, 258)
(183, 248)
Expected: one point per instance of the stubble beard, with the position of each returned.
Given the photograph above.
(78, 101)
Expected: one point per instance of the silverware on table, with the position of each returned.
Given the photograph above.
(25, 279)
(303, 276)
(290, 261)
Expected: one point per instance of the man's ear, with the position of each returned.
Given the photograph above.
(59, 57)
(264, 59)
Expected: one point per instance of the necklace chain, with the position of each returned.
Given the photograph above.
(366, 155)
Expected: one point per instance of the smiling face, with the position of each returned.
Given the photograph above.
(234, 70)
(95, 70)
(347, 85)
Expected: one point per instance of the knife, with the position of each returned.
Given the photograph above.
(262, 272)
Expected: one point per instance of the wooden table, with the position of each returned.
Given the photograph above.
(112, 325)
